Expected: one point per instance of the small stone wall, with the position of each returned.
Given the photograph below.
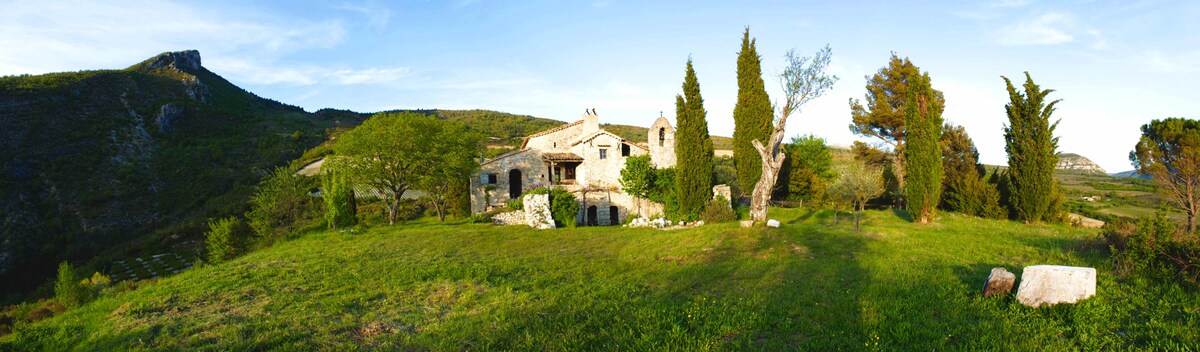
(509, 218)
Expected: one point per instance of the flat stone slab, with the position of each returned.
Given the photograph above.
(1054, 284)
(773, 223)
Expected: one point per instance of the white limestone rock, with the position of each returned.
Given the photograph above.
(537, 211)
(747, 223)
(773, 223)
(1054, 284)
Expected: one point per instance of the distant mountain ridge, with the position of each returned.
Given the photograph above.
(1078, 163)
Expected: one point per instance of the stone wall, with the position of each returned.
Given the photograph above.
(603, 173)
(533, 175)
(510, 218)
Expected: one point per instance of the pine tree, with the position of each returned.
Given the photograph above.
(67, 289)
(965, 188)
(1031, 145)
(923, 154)
(693, 148)
(752, 116)
(883, 115)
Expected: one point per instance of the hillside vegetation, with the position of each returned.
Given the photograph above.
(807, 286)
(96, 159)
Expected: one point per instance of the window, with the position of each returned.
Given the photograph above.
(487, 179)
(603, 153)
(662, 136)
(624, 149)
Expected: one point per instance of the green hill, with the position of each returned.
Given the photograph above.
(805, 286)
(95, 159)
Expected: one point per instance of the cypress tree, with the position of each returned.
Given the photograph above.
(1032, 153)
(923, 153)
(693, 148)
(752, 115)
(340, 206)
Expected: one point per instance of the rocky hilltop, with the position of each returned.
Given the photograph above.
(1078, 163)
(96, 159)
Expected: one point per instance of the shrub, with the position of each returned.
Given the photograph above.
(282, 204)
(563, 207)
(1154, 245)
(340, 207)
(67, 289)
(516, 204)
(718, 210)
(225, 239)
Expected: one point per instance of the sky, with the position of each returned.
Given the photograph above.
(1115, 65)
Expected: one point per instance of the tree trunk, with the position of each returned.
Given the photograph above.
(772, 161)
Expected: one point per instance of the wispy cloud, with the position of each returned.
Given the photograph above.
(1047, 29)
(378, 16)
(1010, 3)
(369, 75)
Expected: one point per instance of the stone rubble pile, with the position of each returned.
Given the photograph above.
(509, 218)
(646, 222)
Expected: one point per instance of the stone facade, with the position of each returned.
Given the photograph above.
(661, 138)
(579, 157)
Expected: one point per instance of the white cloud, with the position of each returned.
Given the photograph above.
(1046, 29)
(377, 16)
(1010, 3)
(369, 75)
(59, 36)
(1157, 61)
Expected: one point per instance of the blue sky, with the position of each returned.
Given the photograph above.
(1115, 64)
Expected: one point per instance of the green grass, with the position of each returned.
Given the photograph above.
(808, 286)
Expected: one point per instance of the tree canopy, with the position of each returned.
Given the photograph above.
(1032, 153)
(883, 116)
(809, 170)
(693, 148)
(392, 153)
(1169, 152)
(923, 155)
(752, 115)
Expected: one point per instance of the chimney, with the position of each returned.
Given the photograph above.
(591, 122)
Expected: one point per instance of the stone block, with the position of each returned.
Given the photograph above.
(773, 223)
(537, 211)
(1054, 284)
(999, 282)
(747, 223)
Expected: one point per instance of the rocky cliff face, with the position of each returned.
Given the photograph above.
(1078, 163)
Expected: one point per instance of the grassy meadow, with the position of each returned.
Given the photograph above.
(809, 285)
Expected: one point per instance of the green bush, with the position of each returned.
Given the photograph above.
(718, 210)
(564, 207)
(225, 239)
(516, 204)
(1154, 245)
(67, 289)
(340, 207)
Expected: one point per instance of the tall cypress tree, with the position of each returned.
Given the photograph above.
(752, 116)
(1032, 152)
(693, 148)
(923, 153)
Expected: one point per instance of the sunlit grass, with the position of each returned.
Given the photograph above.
(807, 285)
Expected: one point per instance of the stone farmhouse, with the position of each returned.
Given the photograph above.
(579, 157)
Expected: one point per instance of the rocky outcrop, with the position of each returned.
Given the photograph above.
(187, 60)
(999, 282)
(168, 115)
(1054, 284)
(1078, 163)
